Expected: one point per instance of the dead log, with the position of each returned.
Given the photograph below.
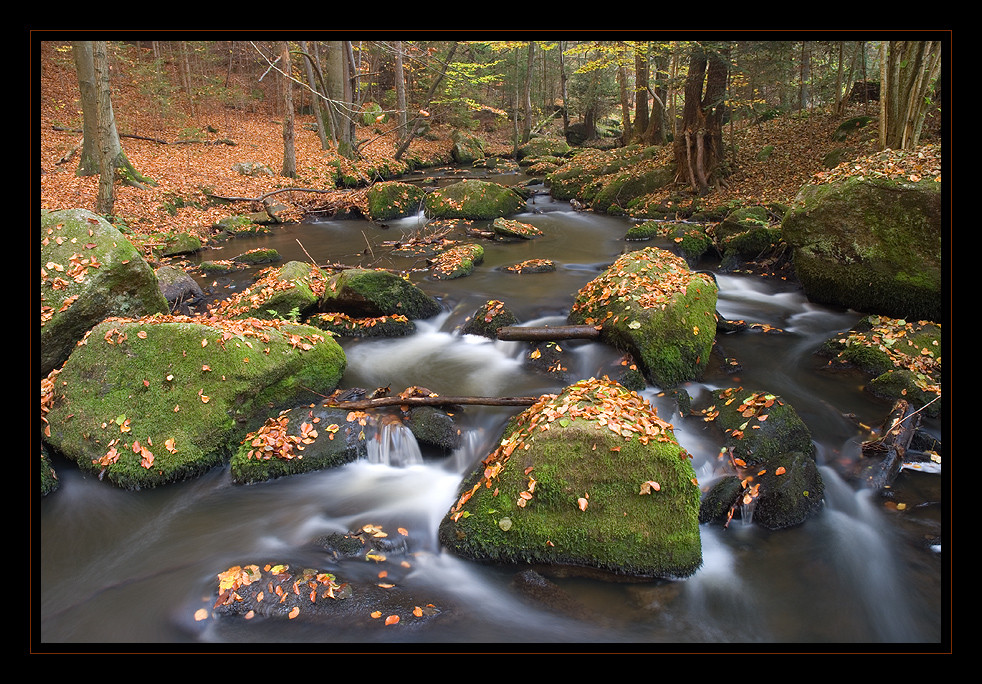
(547, 333)
(381, 402)
(883, 457)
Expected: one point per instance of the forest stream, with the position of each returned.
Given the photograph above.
(134, 567)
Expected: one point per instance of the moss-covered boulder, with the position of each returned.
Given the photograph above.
(543, 147)
(369, 293)
(618, 192)
(510, 228)
(457, 262)
(872, 244)
(473, 199)
(588, 171)
(590, 479)
(391, 199)
(467, 148)
(144, 402)
(902, 358)
(532, 266)
(299, 440)
(182, 243)
(748, 233)
(768, 460)
(342, 325)
(650, 304)
(89, 271)
(257, 256)
(289, 292)
(485, 322)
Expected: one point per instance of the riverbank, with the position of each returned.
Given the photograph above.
(184, 172)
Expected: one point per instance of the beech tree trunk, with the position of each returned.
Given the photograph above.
(102, 151)
(289, 149)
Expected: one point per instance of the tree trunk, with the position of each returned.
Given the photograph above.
(884, 457)
(337, 93)
(99, 125)
(625, 103)
(699, 147)
(908, 69)
(411, 132)
(318, 97)
(289, 149)
(547, 333)
(106, 197)
(88, 161)
(400, 79)
(381, 402)
(641, 72)
(564, 85)
(527, 96)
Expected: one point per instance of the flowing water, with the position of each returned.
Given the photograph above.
(124, 567)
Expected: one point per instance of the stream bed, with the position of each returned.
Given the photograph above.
(134, 567)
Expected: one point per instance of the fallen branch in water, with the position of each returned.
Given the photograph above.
(379, 402)
(546, 333)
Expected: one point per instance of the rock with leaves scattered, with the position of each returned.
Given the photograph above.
(89, 271)
(904, 359)
(473, 199)
(144, 402)
(767, 464)
(650, 304)
(289, 292)
(368, 293)
(868, 236)
(391, 200)
(457, 262)
(590, 480)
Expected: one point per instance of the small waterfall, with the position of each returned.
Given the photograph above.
(393, 444)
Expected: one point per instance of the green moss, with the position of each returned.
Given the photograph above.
(181, 390)
(391, 199)
(651, 305)
(574, 454)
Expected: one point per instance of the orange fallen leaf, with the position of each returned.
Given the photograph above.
(392, 619)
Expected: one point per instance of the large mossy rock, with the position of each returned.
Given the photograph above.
(543, 147)
(144, 402)
(871, 244)
(391, 199)
(89, 272)
(473, 199)
(650, 304)
(467, 148)
(369, 293)
(619, 192)
(588, 171)
(590, 479)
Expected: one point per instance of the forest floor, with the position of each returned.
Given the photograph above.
(182, 170)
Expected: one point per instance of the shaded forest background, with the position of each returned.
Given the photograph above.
(188, 111)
